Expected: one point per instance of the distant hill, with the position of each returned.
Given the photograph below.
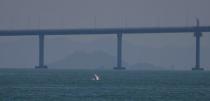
(97, 60)
(81, 59)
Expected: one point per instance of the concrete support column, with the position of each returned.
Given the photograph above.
(119, 52)
(41, 52)
(197, 35)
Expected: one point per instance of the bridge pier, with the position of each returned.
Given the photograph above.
(119, 52)
(197, 35)
(41, 53)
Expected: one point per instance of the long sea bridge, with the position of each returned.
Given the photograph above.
(41, 33)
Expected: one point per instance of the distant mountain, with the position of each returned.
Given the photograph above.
(81, 59)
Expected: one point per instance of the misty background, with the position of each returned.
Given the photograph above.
(152, 51)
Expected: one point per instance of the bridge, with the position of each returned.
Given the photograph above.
(41, 33)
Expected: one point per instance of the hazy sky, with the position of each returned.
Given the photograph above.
(106, 13)
(46, 14)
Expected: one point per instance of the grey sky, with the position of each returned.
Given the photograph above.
(42, 14)
(108, 13)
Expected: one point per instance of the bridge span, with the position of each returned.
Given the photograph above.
(41, 33)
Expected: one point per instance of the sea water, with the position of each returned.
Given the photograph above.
(128, 85)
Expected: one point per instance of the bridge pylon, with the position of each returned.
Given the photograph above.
(119, 53)
(41, 53)
(197, 35)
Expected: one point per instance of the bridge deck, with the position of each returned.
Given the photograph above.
(104, 31)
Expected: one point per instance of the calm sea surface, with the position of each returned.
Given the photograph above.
(76, 85)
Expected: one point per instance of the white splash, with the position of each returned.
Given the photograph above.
(96, 77)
